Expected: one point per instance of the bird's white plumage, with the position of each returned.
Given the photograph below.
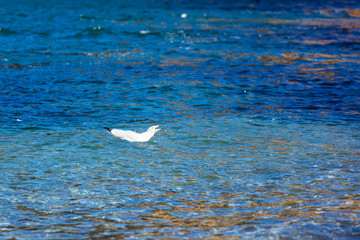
(132, 136)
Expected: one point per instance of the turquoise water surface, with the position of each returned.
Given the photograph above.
(258, 101)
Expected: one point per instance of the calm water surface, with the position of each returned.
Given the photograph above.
(259, 105)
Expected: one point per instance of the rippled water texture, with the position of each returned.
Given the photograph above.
(258, 101)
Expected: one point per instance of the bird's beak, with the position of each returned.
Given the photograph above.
(156, 128)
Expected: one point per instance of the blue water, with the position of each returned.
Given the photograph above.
(258, 101)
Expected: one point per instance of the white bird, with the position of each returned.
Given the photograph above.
(132, 136)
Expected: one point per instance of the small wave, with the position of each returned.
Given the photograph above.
(6, 32)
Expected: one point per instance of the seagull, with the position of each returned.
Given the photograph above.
(132, 136)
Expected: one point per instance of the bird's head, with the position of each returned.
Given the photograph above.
(154, 129)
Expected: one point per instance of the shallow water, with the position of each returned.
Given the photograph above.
(258, 102)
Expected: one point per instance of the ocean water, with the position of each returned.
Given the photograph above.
(258, 102)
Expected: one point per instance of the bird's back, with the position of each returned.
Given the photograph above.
(126, 135)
